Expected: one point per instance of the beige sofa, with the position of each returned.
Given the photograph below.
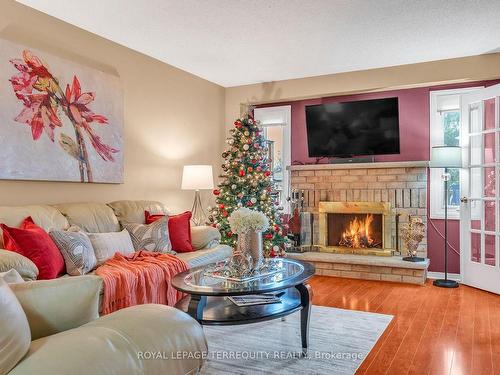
(102, 218)
(68, 337)
(56, 330)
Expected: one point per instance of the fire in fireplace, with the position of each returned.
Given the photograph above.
(355, 231)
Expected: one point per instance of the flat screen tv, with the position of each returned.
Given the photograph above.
(365, 127)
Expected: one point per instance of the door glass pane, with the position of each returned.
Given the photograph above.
(474, 123)
(475, 214)
(475, 186)
(475, 247)
(475, 150)
(489, 181)
(489, 250)
(489, 148)
(489, 216)
(489, 114)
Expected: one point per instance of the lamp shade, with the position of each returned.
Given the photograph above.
(446, 157)
(197, 177)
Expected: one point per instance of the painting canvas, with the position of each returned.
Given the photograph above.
(59, 120)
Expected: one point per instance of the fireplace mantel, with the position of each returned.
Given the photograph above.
(374, 165)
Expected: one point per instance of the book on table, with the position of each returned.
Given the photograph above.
(255, 299)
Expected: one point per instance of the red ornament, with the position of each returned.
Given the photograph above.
(268, 236)
(216, 192)
(267, 173)
(221, 206)
(249, 169)
(276, 228)
(249, 141)
(237, 123)
(272, 254)
(258, 169)
(225, 213)
(249, 204)
(241, 173)
(256, 145)
(229, 234)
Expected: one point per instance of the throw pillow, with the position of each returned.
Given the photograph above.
(76, 250)
(179, 230)
(11, 277)
(12, 260)
(15, 335)
(34, 243)
(107, 244)
(151, 237)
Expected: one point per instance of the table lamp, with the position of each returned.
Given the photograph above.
(446, 157)
(197, 177)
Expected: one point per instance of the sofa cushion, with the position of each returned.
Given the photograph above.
(90, 217)
(53, 306)
(151, 237)
(118, 344)
(76, 250)
(206, 256)
(34, 243)
(133, 211)
(15, 337)
(46, 217)
(12, 260)
(107, 244)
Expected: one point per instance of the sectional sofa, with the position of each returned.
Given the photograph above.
(63, 314)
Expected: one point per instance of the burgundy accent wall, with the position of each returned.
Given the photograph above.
(413, 124)
(414, 130)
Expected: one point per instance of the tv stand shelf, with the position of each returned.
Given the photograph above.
(375, 165)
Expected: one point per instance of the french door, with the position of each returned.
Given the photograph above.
(480, 183)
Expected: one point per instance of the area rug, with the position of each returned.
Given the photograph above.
(339, 342)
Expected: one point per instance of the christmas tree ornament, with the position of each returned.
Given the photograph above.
(246, 147)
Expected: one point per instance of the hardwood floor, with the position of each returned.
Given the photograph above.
(434, 331)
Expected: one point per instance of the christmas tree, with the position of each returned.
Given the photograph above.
(246, 181)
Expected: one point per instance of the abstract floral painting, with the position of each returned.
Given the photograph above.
(59, 120)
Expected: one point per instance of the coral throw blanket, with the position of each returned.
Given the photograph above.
(139, 278)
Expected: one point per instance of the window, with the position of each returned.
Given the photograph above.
(276, 124)
(445, 113)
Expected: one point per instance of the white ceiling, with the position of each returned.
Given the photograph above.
(236, 42)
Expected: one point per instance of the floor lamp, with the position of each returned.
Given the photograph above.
(446, 157)
(197, 177)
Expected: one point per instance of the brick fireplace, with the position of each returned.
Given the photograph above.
(388, 189)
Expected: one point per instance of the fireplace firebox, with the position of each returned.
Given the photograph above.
(356, 231)
(355, 227)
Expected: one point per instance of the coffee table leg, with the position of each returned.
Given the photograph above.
(196, 305)
(306, 302)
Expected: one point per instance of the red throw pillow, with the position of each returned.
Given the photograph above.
(34, 243)
(179, 230)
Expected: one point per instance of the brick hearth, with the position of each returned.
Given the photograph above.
(402, 184)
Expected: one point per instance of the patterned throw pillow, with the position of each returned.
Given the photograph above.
(151, 237)
(77, 251)
(107, 244)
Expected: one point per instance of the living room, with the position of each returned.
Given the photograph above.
(249, 187)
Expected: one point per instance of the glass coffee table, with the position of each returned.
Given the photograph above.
(207, 300)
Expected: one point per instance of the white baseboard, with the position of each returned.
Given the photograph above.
(440, 275)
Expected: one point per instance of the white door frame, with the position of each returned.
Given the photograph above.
(280, 116)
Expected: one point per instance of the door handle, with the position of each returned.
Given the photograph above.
(464, 200)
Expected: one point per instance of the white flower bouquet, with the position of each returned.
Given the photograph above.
(244, 220)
